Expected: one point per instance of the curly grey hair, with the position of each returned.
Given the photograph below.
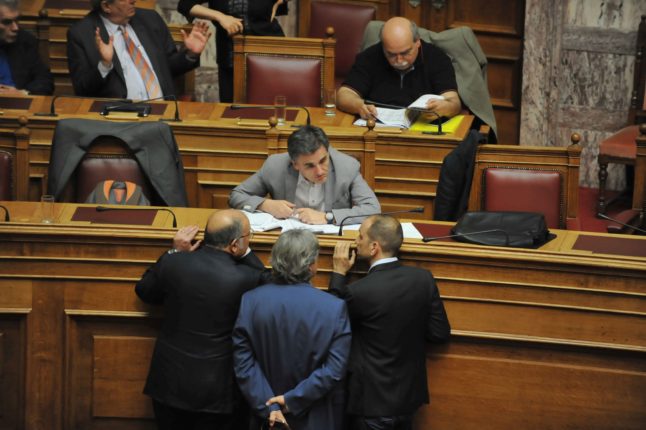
(292, 255)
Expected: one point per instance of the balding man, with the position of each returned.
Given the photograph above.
(394, 311)
(191, 379)
(397, 71)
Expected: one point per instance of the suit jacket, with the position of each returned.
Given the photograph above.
(83, 55)
(192, 364)
(394, 310)
(27, 69)
(346, 192)
(469, 63)
(152, 144)
(293, 340)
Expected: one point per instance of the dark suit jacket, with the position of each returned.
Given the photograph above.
(293, 340)
(394, 310)
(83, 55)
(27, 69)
(192, 365)
(152, 144)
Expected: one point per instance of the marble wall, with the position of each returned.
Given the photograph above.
(577, 75)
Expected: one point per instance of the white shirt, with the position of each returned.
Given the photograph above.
(134, 82)
(383, 261)
(309, 195)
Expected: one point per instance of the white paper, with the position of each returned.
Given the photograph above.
(421, 102)
(410, 232)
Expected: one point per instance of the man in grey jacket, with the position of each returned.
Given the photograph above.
(312, 182)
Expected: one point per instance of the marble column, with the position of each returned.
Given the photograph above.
(577, 75)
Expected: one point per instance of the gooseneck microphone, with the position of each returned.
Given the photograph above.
(417, 210)
(308, 121)
(140, 107)
(52, 109)
(450, 236)
(143, 208)
(6, 213)
(606, 217)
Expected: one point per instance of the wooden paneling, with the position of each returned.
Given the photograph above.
(542, 338)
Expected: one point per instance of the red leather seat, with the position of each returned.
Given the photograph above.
(349, 22)
(525, 191)
(6, 172)
(299, 79)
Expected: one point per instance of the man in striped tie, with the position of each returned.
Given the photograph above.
(121, 51)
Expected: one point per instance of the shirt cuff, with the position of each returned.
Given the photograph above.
(105, 70)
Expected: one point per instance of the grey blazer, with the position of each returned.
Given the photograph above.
(346, 192)
(469, 63)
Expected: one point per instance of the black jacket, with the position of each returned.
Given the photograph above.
(152, 144)
(394, 311)
(27, 69)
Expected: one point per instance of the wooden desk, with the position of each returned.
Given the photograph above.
(219, 151)
(553, 337)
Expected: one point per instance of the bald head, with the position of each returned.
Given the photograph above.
(400, 41)
(387, 231)
(224, 227)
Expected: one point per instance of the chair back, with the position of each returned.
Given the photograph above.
(299, 68)
(349, 22)
(108, 159)
(6, 173)
(517, 190)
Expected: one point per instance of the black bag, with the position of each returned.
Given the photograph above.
(513, 229)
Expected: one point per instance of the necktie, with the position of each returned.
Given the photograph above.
(143, 67)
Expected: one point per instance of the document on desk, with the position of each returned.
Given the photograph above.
(404, 117)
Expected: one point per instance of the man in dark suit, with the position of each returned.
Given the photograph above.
(292, 342)
(394, 310)
(191, 379)
(122, 52)
(21, 69)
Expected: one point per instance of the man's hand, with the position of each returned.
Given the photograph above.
(351, 102)
(343, 258)
(277, 416)
(106, 50)
(278, 208)
(184, 237)
(231, 24)
(368, 111)
(310, 216)
(448, 107)
(197, 38)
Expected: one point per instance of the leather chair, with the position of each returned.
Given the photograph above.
(349, 22)
(107, 159)
(6, 173)
(299, 68)
(621, 147)
(524, 191)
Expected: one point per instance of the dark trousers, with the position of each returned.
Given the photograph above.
(225, 81)
(401, 422)
(170, 418)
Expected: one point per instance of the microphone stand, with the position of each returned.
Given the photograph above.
(143, 208)
(52, 109)
(495, 230)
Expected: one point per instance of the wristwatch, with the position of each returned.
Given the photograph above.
(329, 217)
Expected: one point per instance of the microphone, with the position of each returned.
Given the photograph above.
(495, 230)
(176, 118)
(417, 210)
(140, 107)
(143, 208)
(239, 106)
(6, 213)
(52, 110)
(415, 109)
(606, 217)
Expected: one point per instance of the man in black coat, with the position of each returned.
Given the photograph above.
(394, 311)
(101, 65)
(191, 378)
(21, 69)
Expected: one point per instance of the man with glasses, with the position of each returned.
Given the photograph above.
(191, 379)
(397, 71)
(21, 69)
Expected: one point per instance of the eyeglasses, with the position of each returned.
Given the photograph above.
(8, 21)
(250, 234)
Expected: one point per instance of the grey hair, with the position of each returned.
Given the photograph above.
(96, 4)
(413, 30)
(292, 255)
(10, 4)
(306, 140)
(221, 238)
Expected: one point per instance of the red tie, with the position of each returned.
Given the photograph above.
(143, 67)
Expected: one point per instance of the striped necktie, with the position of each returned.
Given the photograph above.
(146, 72)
